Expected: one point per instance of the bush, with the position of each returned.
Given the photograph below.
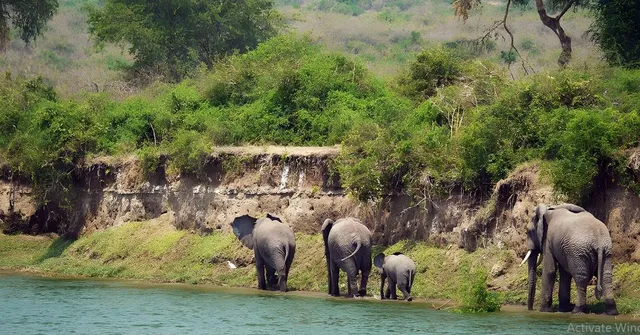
(189, 152)
(474, 296)
(433, 69)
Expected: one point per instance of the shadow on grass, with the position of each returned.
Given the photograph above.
(56, 248)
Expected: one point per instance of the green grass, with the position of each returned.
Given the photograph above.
(155, 251)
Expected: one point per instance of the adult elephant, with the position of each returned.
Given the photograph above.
(347, 247)
(572, 241)
(273, 244)
(399, 270)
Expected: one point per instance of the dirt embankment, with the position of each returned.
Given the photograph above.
(299, 185)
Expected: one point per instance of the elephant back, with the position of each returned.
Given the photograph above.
(399, 264)
(271, 231)
(350, 238)
(349, 229)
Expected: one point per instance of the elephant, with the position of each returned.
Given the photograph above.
(347, 247)
(399, 270)
(572, 241)
(273, 244)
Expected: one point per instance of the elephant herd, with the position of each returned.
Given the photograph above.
(564, 238)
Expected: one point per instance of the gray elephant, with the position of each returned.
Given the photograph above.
(347, 247)
(572, 241)
(273, 244)
(399, 270)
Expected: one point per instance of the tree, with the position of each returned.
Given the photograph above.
(171, 37)
(27, 16)
(462, 7)
(617, 30)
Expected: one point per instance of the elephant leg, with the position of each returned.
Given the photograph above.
(383, 278)
(349, 266)
(548, 280)
(564, 292)
(282, 278)
(363, 283)
(387, 293)
(405, 292)
(581, 303)
(607, 286)
(260, 265)
(272, 279)
(285, 278)
(334, 289)
(352, 278)
(392, 288)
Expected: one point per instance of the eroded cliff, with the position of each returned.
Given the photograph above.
(300, 185)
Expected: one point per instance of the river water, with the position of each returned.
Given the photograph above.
(31, 305)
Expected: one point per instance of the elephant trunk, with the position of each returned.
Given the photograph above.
(532, 279)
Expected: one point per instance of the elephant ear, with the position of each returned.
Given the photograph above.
(243, 229)
(326, 228)
(379, 261)
(541, 225)
(273, 218)
(570, 207)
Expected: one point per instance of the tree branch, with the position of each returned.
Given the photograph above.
(513, 47)
(565, 9)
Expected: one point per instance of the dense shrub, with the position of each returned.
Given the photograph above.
(433, 69)
(473, 294)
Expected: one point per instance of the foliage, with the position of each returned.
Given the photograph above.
(172, 37)
(29, 17)
(433, 68)
(348, 7)
(617, 30)
(453, 123)
(473, 293)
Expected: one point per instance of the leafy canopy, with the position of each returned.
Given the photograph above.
(617, 30)
(27, 16)
(171, 37)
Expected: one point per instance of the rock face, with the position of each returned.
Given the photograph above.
(299, 185)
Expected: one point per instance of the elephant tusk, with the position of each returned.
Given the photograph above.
(539, 259)
(526, 258)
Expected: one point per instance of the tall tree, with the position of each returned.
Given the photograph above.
(617, 30)
(170, 37)
(560, 7)
(29, 17)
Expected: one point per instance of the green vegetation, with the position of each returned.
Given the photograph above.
(172, 38)
(449, 121)
(156, 251)
(616, 31)
(474, 296)
(28, 17)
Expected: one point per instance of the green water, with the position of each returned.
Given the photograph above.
(31, 305)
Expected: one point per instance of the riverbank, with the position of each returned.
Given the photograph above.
(155, 251)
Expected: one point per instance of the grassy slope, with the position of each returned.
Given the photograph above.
(67, 58)
(383, 42)
(155, 251)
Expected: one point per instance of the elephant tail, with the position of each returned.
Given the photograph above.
(286, 252)
(600, 272)
(358, 245)
(411, 273)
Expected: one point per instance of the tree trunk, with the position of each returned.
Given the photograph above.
(554, 24)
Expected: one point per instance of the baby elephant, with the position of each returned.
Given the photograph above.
(399, 270)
